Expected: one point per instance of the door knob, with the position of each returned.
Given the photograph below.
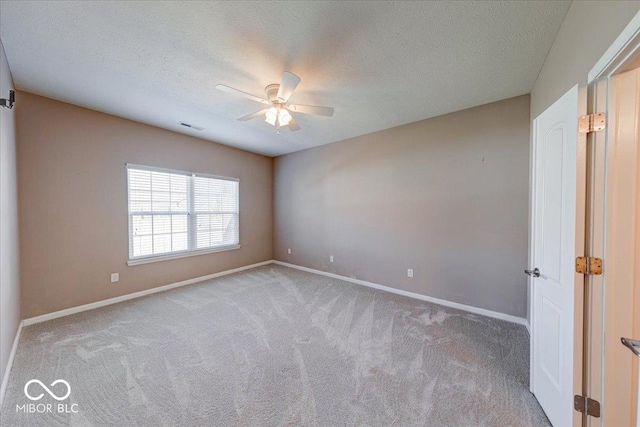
(633, 345)
(533, 273)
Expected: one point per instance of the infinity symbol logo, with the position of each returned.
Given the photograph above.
(52, 394)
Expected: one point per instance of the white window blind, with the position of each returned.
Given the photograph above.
(172, 212)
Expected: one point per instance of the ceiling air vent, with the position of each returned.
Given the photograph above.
(191, 126)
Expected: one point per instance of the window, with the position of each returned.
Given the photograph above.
(173, 213)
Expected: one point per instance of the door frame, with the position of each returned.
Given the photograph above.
(622, 51)
(622, 55)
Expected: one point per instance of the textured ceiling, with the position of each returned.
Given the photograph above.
(379, 64)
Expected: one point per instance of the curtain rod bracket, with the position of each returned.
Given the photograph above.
(8, 103)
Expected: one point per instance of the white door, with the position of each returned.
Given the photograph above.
(554, 222)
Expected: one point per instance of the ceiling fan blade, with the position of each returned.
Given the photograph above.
(241, 93)
(288, 84)
(312, 109)
(253, 115)
(293, 126)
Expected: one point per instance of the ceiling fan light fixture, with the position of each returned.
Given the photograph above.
(271, 116)
(276, 110)
(284, 117)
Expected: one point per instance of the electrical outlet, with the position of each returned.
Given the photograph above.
(115, 277)
(330, 258)
(410, 272)
(289, 251)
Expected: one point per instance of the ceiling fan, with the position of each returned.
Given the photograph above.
(279, 112)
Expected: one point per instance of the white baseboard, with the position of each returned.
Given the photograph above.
(7, 371)
(446, 303)
(98, 304)
(103, 303)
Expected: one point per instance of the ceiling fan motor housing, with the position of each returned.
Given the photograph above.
(272, 93)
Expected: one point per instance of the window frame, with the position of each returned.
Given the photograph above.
(191, 218)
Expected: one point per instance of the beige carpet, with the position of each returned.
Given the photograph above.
(275, 346)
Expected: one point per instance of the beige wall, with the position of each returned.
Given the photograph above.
(73, 203)
(587, 31)
(10, 315)
(445, 196)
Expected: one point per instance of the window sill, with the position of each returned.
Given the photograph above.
(159, 258)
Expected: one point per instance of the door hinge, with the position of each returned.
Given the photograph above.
(589, 265)
(586, 406)
(591, 123)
